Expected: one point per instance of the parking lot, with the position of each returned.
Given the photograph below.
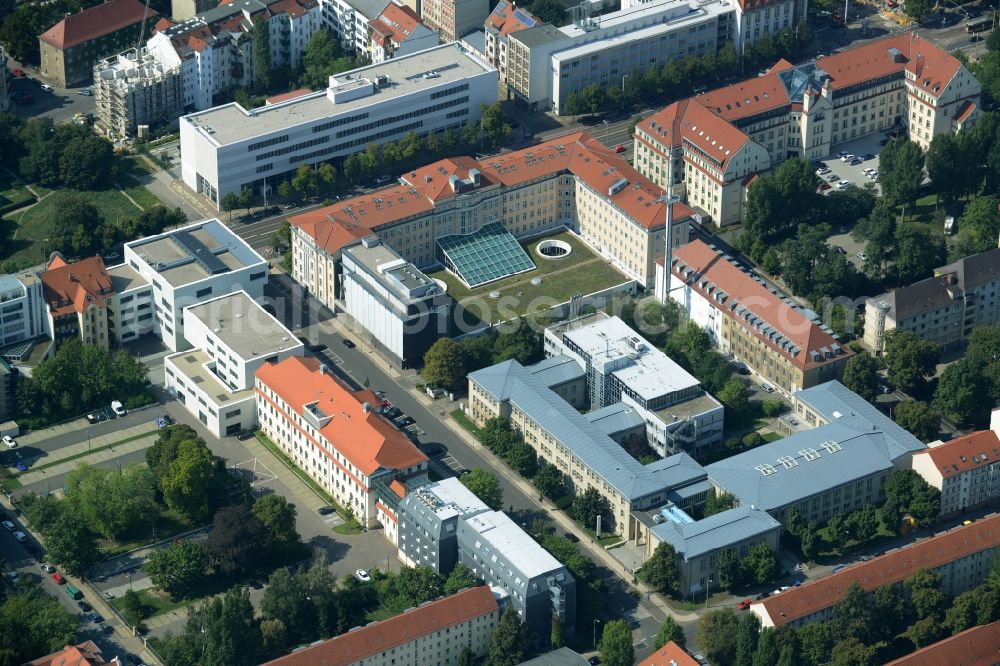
(853, 173)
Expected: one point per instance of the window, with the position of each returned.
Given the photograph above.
(201, 293)
(258, 276)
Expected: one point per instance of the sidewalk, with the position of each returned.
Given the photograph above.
(81, 449)
(299, 488)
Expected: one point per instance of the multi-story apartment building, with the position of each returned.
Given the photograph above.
(966, 469)
(942, 309)
(434, 634)
(349, 21)
(698, 543)
(184, 267)
(622, 366)
(561, 435)
(454, 18)
(545, 65)
(231, 337)
(973, 647)
(397, 31)
(136, 88)
(336, 435)
(500, 553)
(181, 10)
(428, 524)
(400, 311)
(22, 309)
(835, 462)
(724, 136)
(570, 180)
(743, 317)
(70, 48)
(505, 19)
(962, 556)
(8, 388)
(228, 147)
(80, 300)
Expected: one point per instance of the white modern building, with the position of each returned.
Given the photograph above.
(622, 366)
(232, 337)
(227, 147)
(401, 311)
(190, 265)
(22, 308)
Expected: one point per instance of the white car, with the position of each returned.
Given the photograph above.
(363, 576)
(767, 388)
(844, 184)
(118, 408)
(9, 526)
(20, 537)
(873, 174)
(822, 171)
(10, 442)
(46, 567)
(847, 158)
(47, 88)
(862, 256)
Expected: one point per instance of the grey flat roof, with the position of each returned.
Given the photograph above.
(508, 539)
(192, 364)
(382, 262)
(230, 123)
(538, 35)
(835, 401)
(688, 408)
(863, 452)
(615, 418)
(447, 498)
(124, 277)
(557, 370)
(609, 461)
(244, 326)
(718, 531)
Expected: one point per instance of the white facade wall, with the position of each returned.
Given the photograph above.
(698, 310)
(23, 314)
(221, 419)
(371, 310)
(134, 313)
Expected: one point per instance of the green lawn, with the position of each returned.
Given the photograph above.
(770, 436)
(12, 193)
(464, 421)
(155, 601)
(23, 233)
(140, 194)
(582, 272)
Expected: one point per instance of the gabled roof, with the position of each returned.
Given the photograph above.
(965, 110)
(95, 22)
(82, 654)
(749, 97)
(73, 287)
(447, 178)
(507, 18)
(360, 643)
(767, 317)
(893, 567)
(691, 122)
(978, 646)
(720, 530)
(330, 234)
(670, 654)
(365, 438)
(964, 453)
(396, 22)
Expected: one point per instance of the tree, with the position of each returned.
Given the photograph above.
(949, 166)
(305, 180)
(909, 359)
(588, 506)
(507, 642)
(816, 643)
(550, 481)
(274, 637)
(179, 569)
(767, 647)
(229, 633)
(186, 482)
(114, 503)
(918, 247)
(133, 610)
(277, 515)
(916, 9)
(777, 205)
(261, 53)
(730, 570)
(853, 616)
(890, 606)
(901, 170)
(670, 631)
(486, 486)
(925, 594)
(852, 651)
(460, 578)
(34, 624)
(549, 11)
(919, 419)
(735, 396)
(522, 459)
(963, 393)
(717, 631)
(878, 228)
(861, 375)
(237, 537)
(837, 531)
(72, 543)
(246, 197)
(979, 225)
(287, 599)
(760, 564)
(747, 634)
(862, 524)
(616, 644)
(660, 570)
(326, 173)
(444, 365)
(717, 502)
(229, 203)
(924, 631)
(87, 163)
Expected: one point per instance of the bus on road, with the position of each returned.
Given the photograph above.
(979, 25)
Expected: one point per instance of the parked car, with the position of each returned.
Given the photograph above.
(856, 161)
(391, 413)
(244, 435)
(762, 595)
(73, 593)
(767, 388)
(95, 617)
(58, 578)
(839, 250)
(84, 606)
(85, 92)
(823, 186)
(433, 449)
(363, 576)
(884, 389)
(21, 466)
(326, 510)
(47, 88)
(46, 567)
(92, 418)
(743, 605)
(20, 536)
(841, 154)
(134, 659)
(160, 423)
(868, 156)
(862, 256)
(107, 629)
(569, 536)
(846, 158)
(9, 526)
(349, 344)
(317, 348)
(118, 408)
(619, 148)
(10, 442)
(405, 422)
(844, 184)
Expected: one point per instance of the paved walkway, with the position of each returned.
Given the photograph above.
(81, 449)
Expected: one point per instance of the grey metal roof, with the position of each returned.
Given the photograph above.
(370, 9)
(615, 418)
(835, 402)
(510, 381)
(557, 370)
(540, 34)
(759, 478)
(561, 657)
(716, 532)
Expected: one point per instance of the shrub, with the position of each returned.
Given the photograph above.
(772, 407)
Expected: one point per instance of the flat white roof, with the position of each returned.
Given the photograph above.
(244, 326)
(649, 372)
(231, 123)
(448, 498)
(193, 364)
(506, 538)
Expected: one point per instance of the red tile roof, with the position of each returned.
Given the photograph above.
(978, 646)
(893, 567)
(670, 654)
(396, 22)
(507, 18)
(964, 453)
(74, 287)
(747, 98)
(691, 122)
(330, 234)
(966, 109)
(292, 94)
(742, 290)
(397, 487)
(435, 178)
(82, 654)
(95, 22)
(366, 439)
(411, 626)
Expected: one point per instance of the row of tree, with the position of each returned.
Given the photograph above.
(447, 363)
(33, 622)
(64, 155)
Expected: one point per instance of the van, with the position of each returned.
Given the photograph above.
(949, 225)
(73, 593)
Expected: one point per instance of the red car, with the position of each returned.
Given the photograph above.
(619, 148)
(57, 577)
(743, 605)
(17, 73)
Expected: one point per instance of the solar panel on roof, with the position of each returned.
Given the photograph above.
(521, 16)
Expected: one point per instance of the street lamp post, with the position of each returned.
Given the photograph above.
(707, 585)
(596, 622)
(128, 577)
